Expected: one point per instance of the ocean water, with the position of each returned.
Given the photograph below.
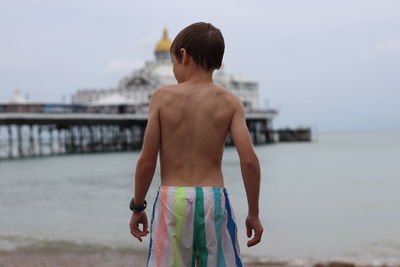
(336, 198)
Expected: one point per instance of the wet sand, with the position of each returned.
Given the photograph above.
(77, 259)
(115, 259)
(71, 259)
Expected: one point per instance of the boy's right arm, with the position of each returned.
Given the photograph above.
(250, 168)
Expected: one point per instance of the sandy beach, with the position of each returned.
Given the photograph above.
(76, 259)
(116, 259)
(71, 259)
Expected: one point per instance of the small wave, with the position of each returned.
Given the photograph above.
(16, 243)
(331, 262)
(268, 261)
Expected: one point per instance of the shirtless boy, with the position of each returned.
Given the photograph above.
(192, 221)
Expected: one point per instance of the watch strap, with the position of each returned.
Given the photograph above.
(137, 208)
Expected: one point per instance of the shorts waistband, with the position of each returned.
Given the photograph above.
(192, 190)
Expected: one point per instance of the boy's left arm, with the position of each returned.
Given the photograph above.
(146, 164)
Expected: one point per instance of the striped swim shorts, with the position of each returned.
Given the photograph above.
(193, 226)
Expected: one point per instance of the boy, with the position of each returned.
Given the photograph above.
(192, 219)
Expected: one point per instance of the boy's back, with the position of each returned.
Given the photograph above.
(194, 122)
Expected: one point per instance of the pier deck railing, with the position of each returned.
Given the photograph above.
(27, 134)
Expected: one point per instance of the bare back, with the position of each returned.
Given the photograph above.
(194, 123)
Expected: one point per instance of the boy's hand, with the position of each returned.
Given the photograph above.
(136, 219)
(253, 224)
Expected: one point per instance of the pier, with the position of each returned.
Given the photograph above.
(29, 134)
(294, 135)
(115, 119)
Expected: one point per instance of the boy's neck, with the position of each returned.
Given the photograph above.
(199, 76)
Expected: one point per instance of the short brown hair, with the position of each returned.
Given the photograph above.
(203, 42)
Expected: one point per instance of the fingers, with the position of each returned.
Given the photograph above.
(248, 230)
(256, 239)
(136, 234)
(145, 224)
(253, 224)
(136, 220)
(253, 241)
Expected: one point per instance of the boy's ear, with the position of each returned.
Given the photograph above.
(184, 54)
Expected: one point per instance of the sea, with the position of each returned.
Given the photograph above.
(336, 198)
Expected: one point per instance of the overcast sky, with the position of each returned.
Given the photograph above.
(331, 65)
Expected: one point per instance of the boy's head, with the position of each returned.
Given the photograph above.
(203, 42)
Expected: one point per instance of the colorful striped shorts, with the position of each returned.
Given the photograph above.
(193, 226)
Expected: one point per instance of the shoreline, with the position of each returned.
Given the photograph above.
(112, 258)
(71, 259)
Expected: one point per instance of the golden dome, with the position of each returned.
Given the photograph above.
(164, 44)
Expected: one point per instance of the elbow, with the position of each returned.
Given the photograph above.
(146, 166)
(251, 162)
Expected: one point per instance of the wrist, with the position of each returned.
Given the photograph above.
(133, 206)
(253, 214)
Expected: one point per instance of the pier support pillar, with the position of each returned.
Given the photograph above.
(19, 140)
(51, 140)
(10, 141)
(40, 143)
(31, 150)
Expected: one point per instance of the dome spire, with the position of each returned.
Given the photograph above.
(162, 48)
(165, 43)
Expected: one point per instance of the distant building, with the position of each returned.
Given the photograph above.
(135, 90)
(18, 98)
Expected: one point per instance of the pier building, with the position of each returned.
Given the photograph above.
(135, 89)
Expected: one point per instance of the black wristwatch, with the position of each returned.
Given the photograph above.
(137, 208)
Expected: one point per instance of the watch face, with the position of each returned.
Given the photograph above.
(133, 207)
